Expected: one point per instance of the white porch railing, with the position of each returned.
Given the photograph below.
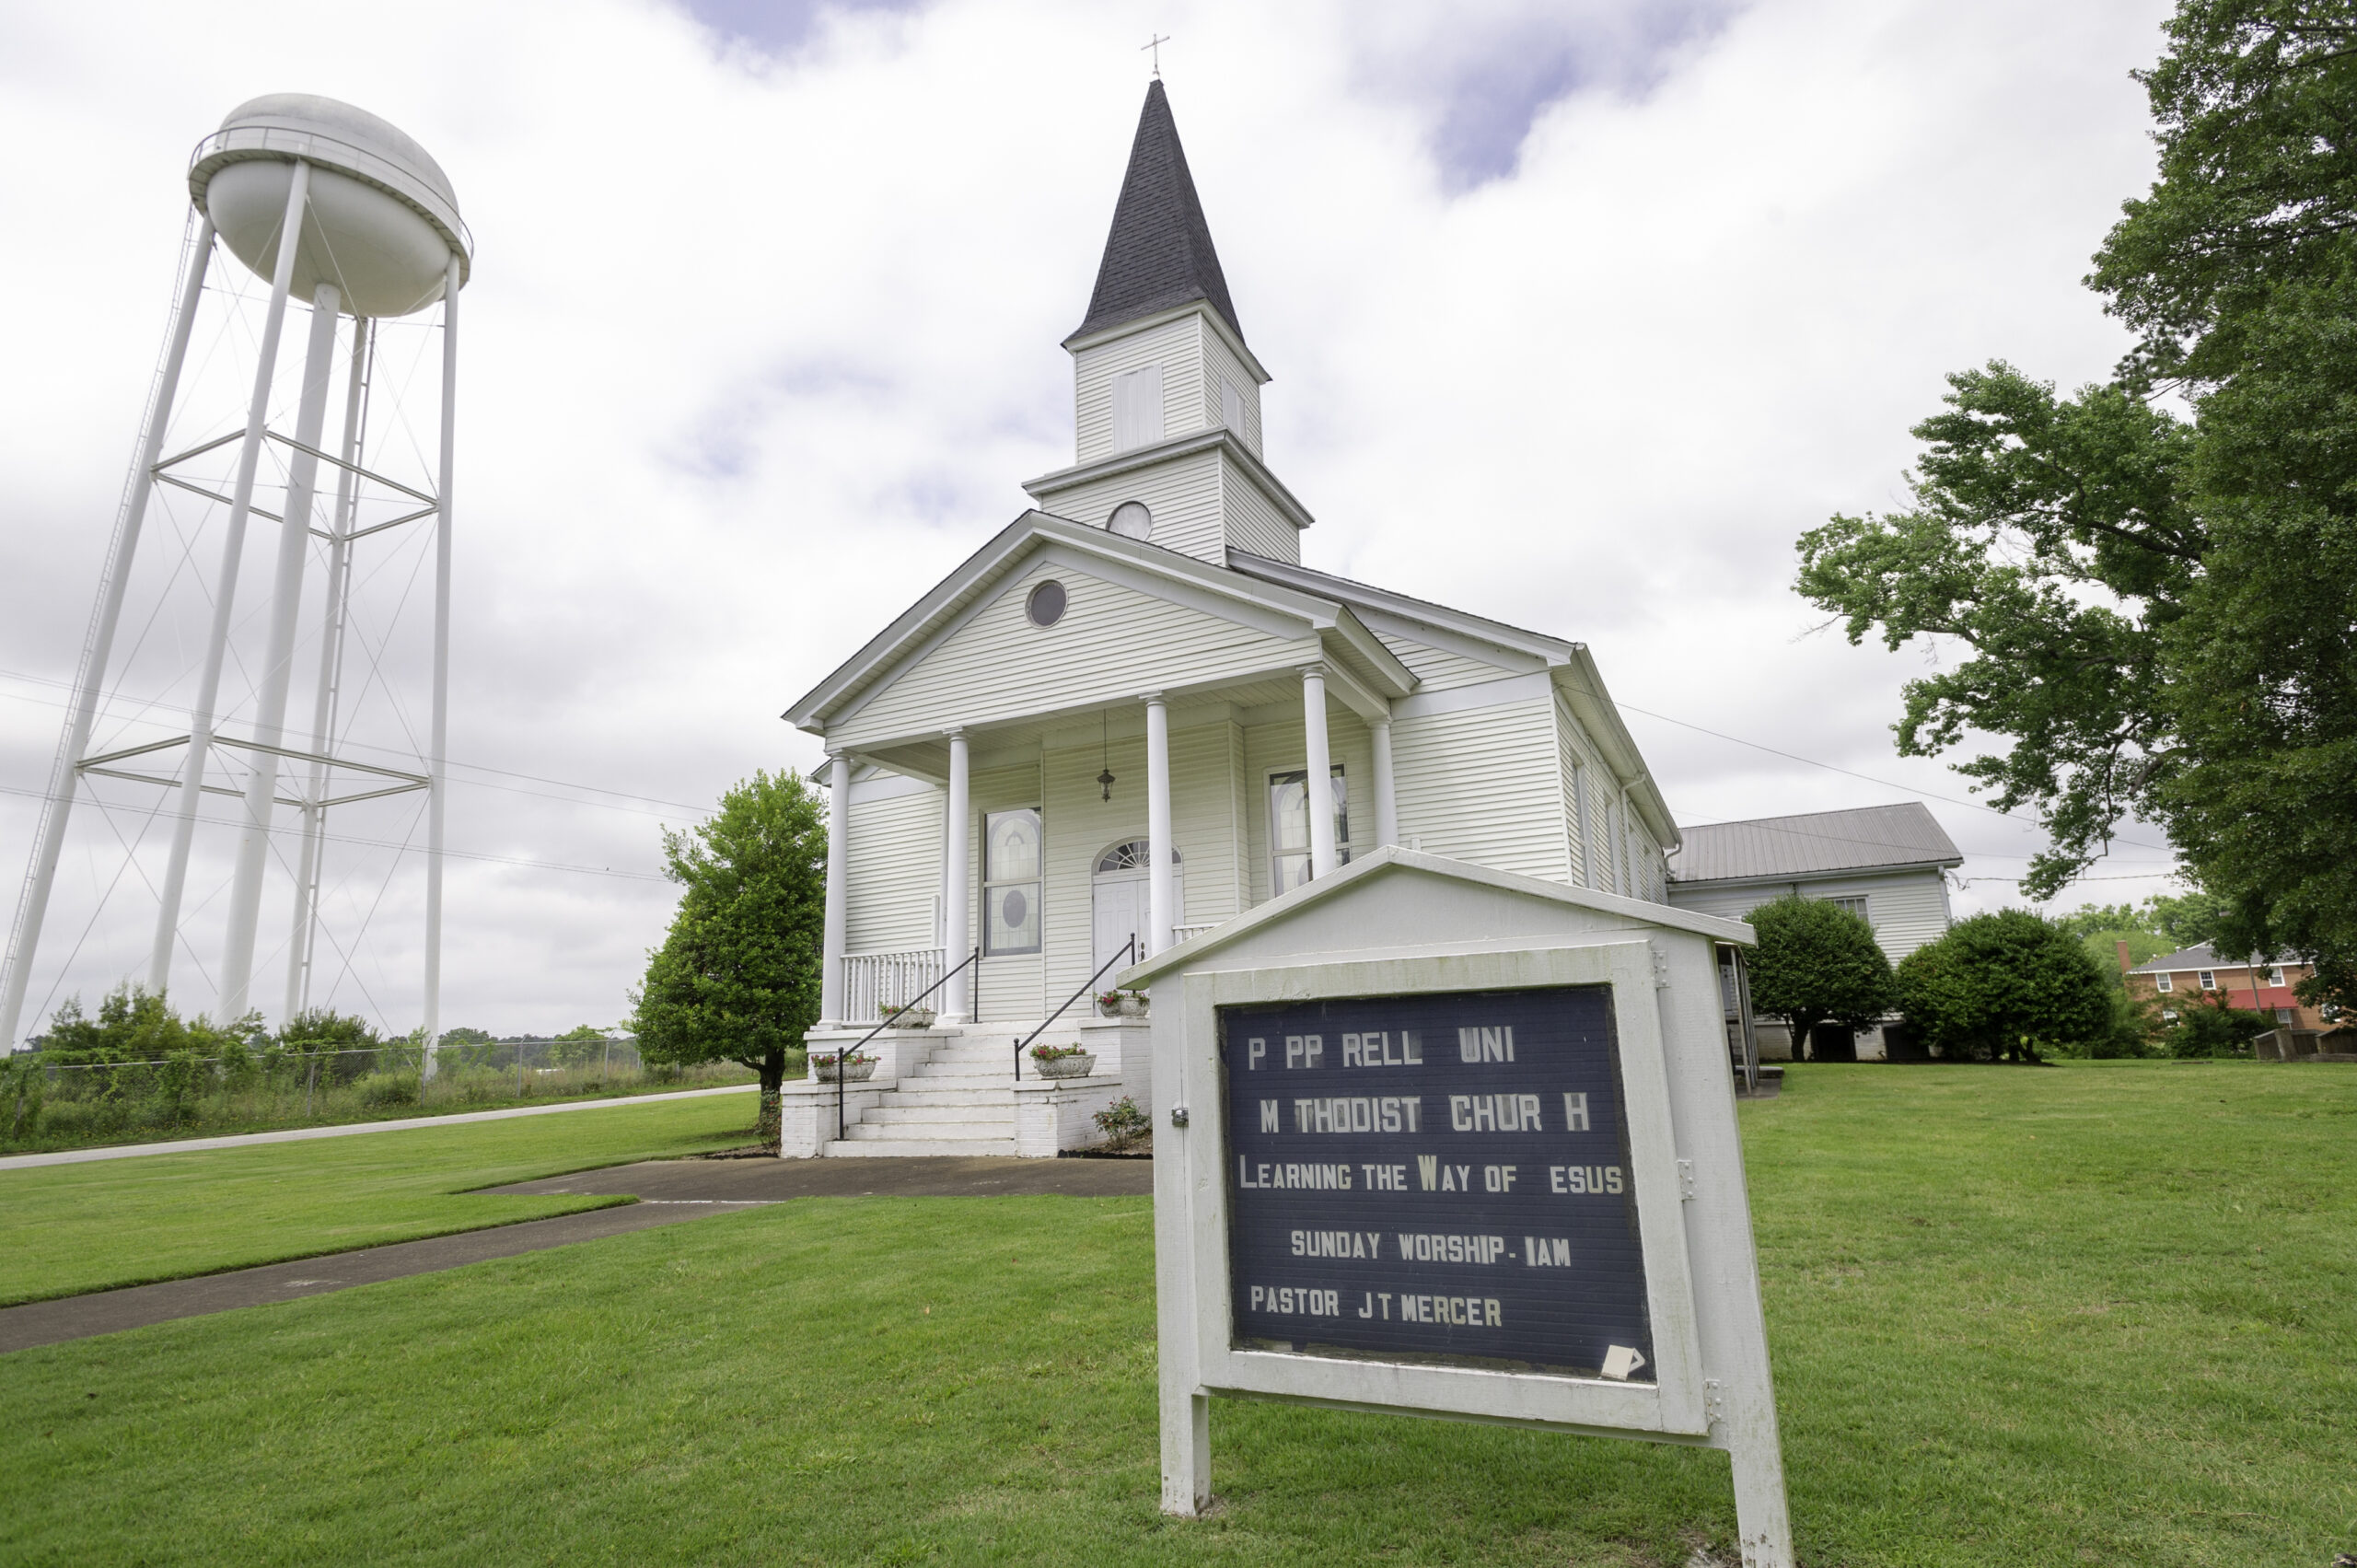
(872, 979)
(1187, 933)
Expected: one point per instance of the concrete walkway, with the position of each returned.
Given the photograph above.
(349, 1130)
(669, 1192)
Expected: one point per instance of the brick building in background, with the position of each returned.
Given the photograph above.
(2196, 974)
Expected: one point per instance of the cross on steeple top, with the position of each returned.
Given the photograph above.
(1156, 43)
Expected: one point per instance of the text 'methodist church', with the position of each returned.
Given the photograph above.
(1142, 670)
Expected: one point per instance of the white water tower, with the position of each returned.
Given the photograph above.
(377, 241)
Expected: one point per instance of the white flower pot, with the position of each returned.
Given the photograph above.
(1067, 1066)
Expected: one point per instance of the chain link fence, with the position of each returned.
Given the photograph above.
(52, 1103)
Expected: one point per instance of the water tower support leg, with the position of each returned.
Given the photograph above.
(278, 660)
(25, 939)
(225, 593)
(437, 792)
(303, 936)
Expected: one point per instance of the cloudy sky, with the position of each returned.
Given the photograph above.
(1579, 314)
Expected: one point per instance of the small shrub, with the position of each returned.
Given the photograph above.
(2208, 1029)
(387, 1089)
(1123, 1123)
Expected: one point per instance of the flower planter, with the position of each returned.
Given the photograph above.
(909, 1017)
(1067, 1066)
(1132, 1007)
(853, 1072)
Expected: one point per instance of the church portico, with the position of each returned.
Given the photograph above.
(1132, 716)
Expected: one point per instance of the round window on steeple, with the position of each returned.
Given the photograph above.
(1045, 605)
(1132, 520)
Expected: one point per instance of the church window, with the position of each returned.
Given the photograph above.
(1856, 906)
(1132, 520)
(1289, 827)
(1231, 406)
(1045, 605)
(1010, 881)
(1137, 407)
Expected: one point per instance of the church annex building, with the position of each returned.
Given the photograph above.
(1135, 713)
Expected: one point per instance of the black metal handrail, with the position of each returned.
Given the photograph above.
(1128, 950)
(842, 1056)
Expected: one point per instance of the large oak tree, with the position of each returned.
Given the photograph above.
(2156, 609)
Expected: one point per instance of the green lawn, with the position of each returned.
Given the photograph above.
(69, 1228)
(2092, 1314)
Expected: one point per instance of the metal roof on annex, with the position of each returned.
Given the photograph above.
(1865, 838)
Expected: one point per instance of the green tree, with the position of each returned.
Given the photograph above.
(1817, 963)
(2160, 614)
(736, 978)
(580, 1046)
(2208, 1027)
(2001, 985)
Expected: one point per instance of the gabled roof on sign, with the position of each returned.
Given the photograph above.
(1392, 859)
(1866, 838)
(981, 573)
(1159, 253)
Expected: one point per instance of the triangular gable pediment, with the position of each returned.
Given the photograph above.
(1136, 619)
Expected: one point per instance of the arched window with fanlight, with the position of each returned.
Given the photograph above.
(1010, 881)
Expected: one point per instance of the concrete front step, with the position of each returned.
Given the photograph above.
(863, 1149)
(929, 1131)
(885, 1115)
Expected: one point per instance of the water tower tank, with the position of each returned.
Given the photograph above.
(382, 223)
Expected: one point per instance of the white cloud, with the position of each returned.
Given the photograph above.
(760, 345)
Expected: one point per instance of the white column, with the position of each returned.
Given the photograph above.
(1161, 895)
(1323, 856)
(67, 778)
(437, 789)
(304, 930)
(957, 889)
(278, 658)
(224, 592)
(1386, 805)
(831, 978)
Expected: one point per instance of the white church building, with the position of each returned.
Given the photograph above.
(1135, 712)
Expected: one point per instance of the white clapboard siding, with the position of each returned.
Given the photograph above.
(1177, 346)
(1184, 493)
(1011, 987)
(1220, 364)
(895, 870)
(1570, 778)
(1436, 670)
(1083, 825)
(1254, 524)
(1111, 644)
(1281, 746)
(1907, 909)
(1482, 785)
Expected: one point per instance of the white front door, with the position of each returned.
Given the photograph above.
(1122, 902)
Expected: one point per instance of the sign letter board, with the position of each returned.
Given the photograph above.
(1439, 1177)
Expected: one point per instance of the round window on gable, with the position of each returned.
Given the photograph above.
(1045, 605)
(1132, 520)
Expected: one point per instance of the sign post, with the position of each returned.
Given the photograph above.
(1477, 1158)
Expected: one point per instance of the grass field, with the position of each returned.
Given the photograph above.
(69, 1228)
(2091, 1314)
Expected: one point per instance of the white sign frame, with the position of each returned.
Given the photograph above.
(1401, 922)
(1670, 1404)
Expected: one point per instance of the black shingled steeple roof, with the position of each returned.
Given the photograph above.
(1159, 253)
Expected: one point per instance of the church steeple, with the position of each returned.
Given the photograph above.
(1165, 393)
(1159, 253)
